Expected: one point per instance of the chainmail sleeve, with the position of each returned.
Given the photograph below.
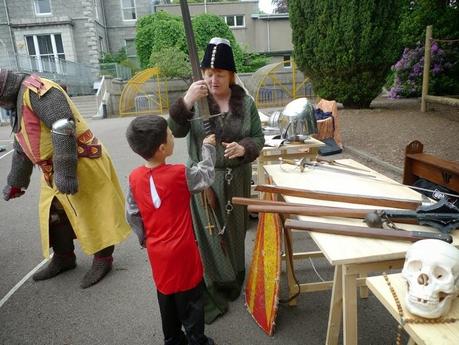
(50, 107)
(21, 168)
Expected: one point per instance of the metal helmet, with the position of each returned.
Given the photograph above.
(297, 121)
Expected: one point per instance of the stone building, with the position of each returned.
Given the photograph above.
(81, 31)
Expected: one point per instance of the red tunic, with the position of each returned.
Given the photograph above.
(171, 245)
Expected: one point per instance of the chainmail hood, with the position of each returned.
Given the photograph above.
(10, 83)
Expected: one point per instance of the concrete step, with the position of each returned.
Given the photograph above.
(87, 105)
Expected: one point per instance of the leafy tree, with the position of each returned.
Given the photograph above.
(443, 15)
(117, 57)
(206, 26)
(149, 27)
(162, 30)
(172, 62)
(120, 58)
(346, 47)
(405, 80)
(280, 6)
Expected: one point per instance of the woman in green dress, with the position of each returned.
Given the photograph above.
(220, 227)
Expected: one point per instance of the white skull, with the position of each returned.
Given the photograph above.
(431, 270)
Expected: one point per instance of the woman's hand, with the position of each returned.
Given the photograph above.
(233, 150)
(196, 91)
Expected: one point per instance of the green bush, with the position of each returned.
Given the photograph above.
(408, 72)
(444, 73)
(346, 47)
(156, 31)
(161, 30)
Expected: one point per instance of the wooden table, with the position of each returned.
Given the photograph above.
(352, 257)
(420, 334)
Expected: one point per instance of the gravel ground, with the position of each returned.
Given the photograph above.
(378, 136)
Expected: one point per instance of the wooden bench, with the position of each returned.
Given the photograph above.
(432, 168)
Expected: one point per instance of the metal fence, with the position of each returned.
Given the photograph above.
(115, 70)
(78, 78)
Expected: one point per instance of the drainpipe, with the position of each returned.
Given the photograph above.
(104, 18)
(269, 35)
(11, 34)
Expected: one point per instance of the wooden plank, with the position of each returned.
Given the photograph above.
(442, 100)
(348, 198)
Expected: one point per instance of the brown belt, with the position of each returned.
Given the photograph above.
(87, 147)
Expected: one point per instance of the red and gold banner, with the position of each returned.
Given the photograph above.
(262, 288)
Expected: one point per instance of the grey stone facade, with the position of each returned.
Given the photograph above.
(87, 28)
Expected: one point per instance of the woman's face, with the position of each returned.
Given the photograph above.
(218, 81)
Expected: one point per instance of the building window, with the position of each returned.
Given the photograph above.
(128, 9)
(131, 51)
(235, 21)
(46, 52)
(42, 7)
(287, 63)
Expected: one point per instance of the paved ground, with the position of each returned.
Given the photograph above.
(122, 309)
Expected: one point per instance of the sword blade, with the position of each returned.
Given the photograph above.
(333, 162)
(337, 170)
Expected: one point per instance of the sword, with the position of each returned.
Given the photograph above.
(302, 163)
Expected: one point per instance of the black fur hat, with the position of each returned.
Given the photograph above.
(219, 55)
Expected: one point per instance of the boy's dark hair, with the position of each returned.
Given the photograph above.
(145, 134)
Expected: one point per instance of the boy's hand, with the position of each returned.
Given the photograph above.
(210, 139)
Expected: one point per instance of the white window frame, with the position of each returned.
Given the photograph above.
(38, 54)
(35, 8)
(127, 8)
(234, 16)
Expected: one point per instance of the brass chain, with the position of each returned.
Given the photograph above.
(404, 321)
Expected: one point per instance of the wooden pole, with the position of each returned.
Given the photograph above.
(425, 75)
(329, 196)
(358, 231)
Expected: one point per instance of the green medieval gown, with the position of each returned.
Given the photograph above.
(223, 255)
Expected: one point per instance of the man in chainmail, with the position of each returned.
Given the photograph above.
(80, 193)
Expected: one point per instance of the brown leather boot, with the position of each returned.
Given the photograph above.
(99, 269)
(59, 263)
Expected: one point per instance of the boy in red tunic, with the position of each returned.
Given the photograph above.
(158, 210)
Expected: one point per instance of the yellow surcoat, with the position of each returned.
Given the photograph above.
(96, 211)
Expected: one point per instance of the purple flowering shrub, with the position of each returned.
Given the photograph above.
(409, 69)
